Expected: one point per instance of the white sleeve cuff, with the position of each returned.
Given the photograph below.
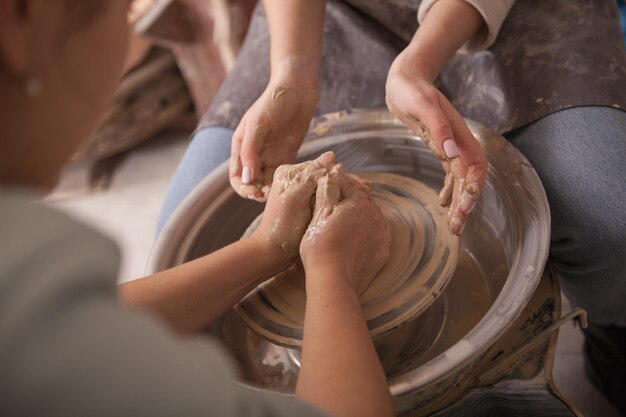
(493, 12)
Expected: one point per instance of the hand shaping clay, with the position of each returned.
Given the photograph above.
(461, 185)
(343, 205)
(295, 185)
(423, 257)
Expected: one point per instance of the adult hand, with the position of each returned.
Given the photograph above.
(413, 99)
(269, 135)
(348, 231)
(289, 210)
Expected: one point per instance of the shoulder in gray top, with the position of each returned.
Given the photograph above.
(68, 348)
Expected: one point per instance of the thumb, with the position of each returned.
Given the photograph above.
(313, 170)
(328, 193)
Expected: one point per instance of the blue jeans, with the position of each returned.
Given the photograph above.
(208, 148)
(580, 155)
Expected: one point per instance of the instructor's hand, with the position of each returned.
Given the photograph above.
(269, 135)
(414, 100)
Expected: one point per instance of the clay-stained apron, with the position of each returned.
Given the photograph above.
(549, 55)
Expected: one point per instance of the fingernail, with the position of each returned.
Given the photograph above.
(449, 147)
(245, 175)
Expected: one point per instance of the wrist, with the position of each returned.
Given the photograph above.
(329, 283)
(324, 273)
(414, 63)
(275, 257)
(295, 71)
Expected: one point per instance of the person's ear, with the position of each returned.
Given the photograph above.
(16, 24)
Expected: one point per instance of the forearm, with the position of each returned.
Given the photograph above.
(296, 30)
(340, 373)
(191, 296)
(448, 25)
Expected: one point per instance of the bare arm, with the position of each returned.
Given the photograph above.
(340, 372)
(296, 39)
(413, 98)
(448, 25)
(191, 296)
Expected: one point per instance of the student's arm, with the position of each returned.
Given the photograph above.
(413, 98)
(345, 246)
(340, 373)
(191, 296)
(273, 128)
(194, 294)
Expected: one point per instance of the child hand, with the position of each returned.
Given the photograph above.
(288, 210)
(416, 102)
(348, 231)
(269, 135)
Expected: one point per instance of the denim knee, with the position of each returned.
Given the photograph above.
(209, 148)
(579, 156)
(588, 231)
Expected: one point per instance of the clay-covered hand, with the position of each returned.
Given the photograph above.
(416, 102)
(269, 135)
(289, 207)
(348, 231)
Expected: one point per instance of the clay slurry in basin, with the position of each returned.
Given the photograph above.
(423, 257)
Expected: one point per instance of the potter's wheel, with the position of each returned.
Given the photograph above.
(501, 255)
(422, 261)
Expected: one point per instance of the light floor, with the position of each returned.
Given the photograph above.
(127, 212)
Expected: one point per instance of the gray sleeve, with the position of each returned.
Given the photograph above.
(67, 348)
(493, 12)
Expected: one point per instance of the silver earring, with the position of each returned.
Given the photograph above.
(34, 87)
